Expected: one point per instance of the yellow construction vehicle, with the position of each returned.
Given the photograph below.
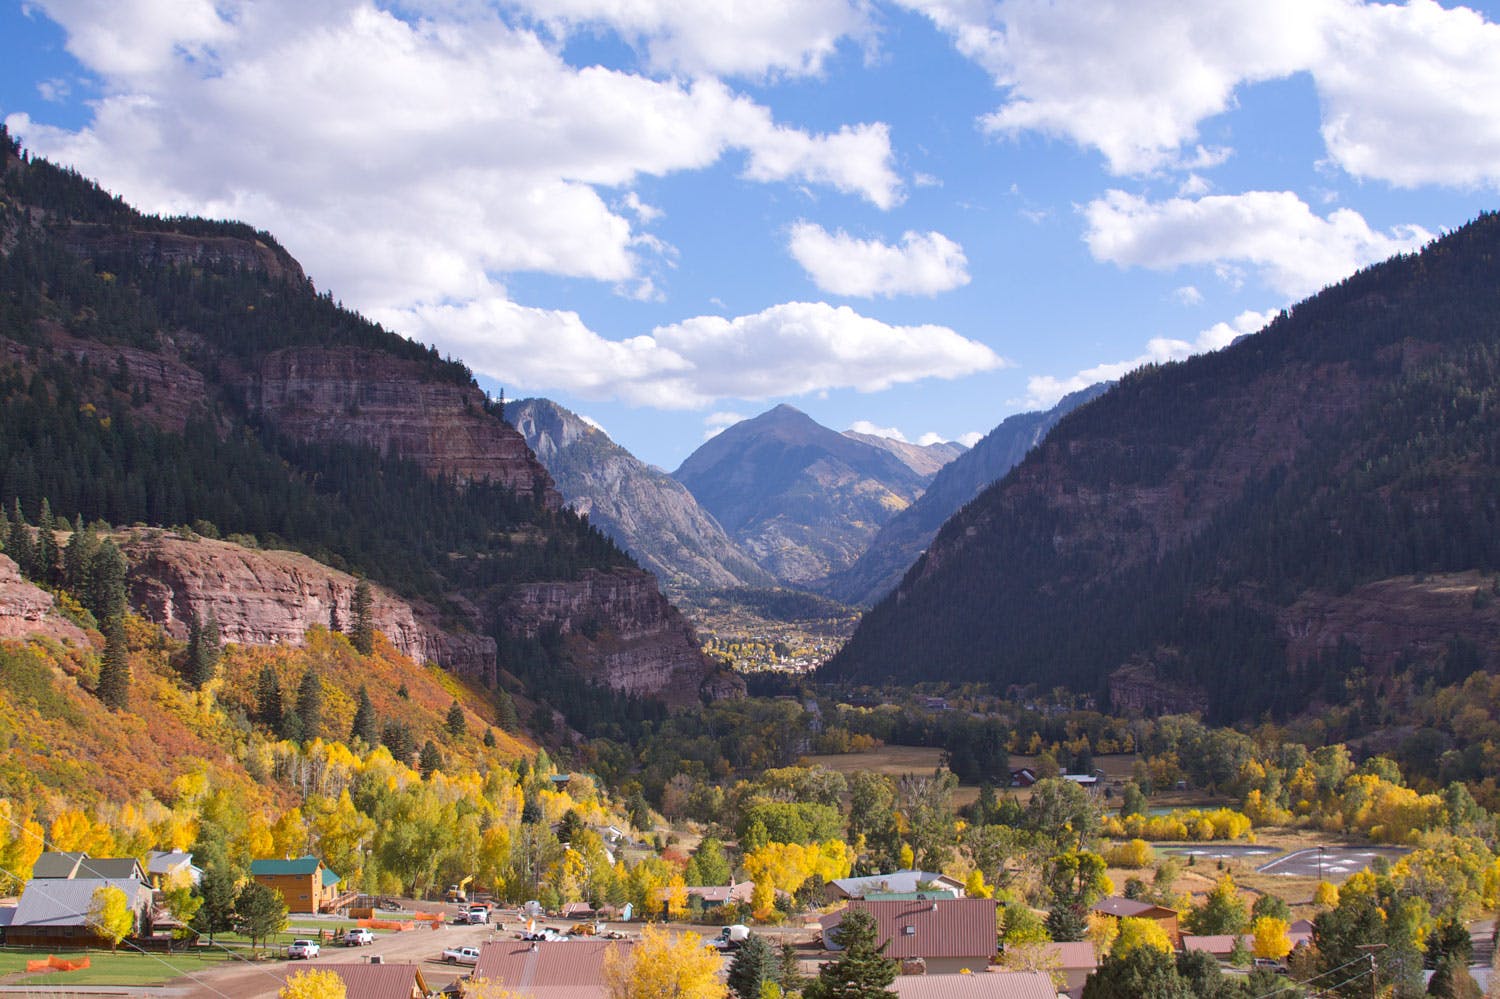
(457, 893)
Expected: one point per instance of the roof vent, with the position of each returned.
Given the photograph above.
(910, 931)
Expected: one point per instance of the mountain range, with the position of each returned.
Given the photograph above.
(1306, 517)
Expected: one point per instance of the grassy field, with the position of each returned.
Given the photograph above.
(107, 968)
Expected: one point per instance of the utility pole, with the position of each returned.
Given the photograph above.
(1370, 951)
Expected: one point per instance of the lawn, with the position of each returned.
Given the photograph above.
(106, 968)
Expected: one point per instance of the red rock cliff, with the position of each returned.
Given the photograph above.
(27, 611)
(363, 397)
(640, 644)
(273, 597)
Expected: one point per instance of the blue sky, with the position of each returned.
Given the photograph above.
(916, 216)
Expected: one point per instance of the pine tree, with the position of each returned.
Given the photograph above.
(268, 699)
(310, 704)
(18, 541)
(755, 964)
(431, 759)
(204, 662)
(107, 582)
(505, 712)
(78, 559)
(861, 971)
(396, 736)
(455, 722)
(364, 727)
(114, 667)
(489, 739)
(48, 567)
(363, 635)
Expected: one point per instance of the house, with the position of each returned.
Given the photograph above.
(7, 913)
(54, 912)
(897, 881)
(171, 869)
(1300, 932)
(305, 884)
(65, 866)
(931, 895)
(1161, 915)
(989, 985)
(546, 969)
(1219, 945)
(1024, 777)
(714, 896)
(949, 936)
(380, 981)
(1076, 961)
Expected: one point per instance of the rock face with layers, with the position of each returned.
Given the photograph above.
(642, 645)
(27, 611)
(273, 597)
(353, 396)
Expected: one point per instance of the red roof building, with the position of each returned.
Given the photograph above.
(950, 935)
(546, 969)
(991, 985)
(380, 981)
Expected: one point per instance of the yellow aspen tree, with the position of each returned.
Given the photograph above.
(313, 984)
(109, 914)
(1269, 938)
(664, 964)
(1135, 933)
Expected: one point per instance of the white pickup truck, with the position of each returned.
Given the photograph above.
(461, 955)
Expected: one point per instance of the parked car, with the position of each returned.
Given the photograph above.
(302, 949)
(476, 914)
(358, 936)
(461, 955)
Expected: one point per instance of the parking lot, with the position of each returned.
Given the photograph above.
(1331, 863)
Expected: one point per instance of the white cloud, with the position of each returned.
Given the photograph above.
(872, 430)
(792, 349)
(411, 160)
(1405, 89)
(1131, 78)
(1294, 250)
(1188, 295)
(1044, 391)
(722, 38)
(593, 423)
(971, 438)
(923, 264)
(716, 423)
(1408, 95)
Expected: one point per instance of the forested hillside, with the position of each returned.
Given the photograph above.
(185, 373)
(1167, 544)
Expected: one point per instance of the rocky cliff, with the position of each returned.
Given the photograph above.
(638, 642)
(27, 611)
(649, 513)
(354, 396)
(273, 597)
(924, 459)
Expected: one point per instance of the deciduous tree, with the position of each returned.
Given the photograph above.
(314, 983)
(110, 916)
(664, 964)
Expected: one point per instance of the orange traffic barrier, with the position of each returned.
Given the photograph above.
(387, 924)
(55, 963)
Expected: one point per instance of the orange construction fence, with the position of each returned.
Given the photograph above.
(54, 963)
(387, 924)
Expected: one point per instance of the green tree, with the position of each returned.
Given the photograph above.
(1132, 800)
(203, 650)
(1142, 973)
(455, 723)
(430, 760)
(78, 560)
(397, 736)
(48, 566)
(713, 865)
(505, 712)
(18, 541)
(755, 964)
(268, 709)
(1074, 880)
(218, 890)
(310, 704)
(114, 666)
(1271, 905)
(861, 970)
(1452, 980)
(260, 912)
(107, 582)
(1062, 810)
(365, 727)
(1223, 911)
(363, 634)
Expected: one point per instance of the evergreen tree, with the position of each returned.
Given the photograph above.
(260, 912)
(569, 826)
(202, 658)
(78, 560)
(505, 712)
(755, 964)
(363, 635)
(107, 582)
(455, 722)
(1143, 972)
(861, 970)
(1452, 980)
(364, 727)
(217, 889)
(489, 739)
(18, 541)
(431, 759)
(48, 565)
(310, 704)
(397, 737)
(4, 529)
(268, 699)
(114, 667)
